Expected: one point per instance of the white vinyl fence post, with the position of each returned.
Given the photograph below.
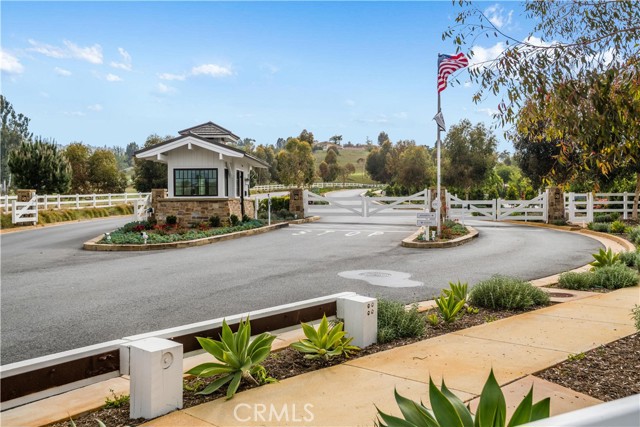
(58, 201)
(360, 315)
(109, 199)
(94, 200)
(625, 212)
(6, 203)
(45, 201)
(156, 377)
(77, 201)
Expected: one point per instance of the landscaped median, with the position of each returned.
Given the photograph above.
(413, 242)
(99, 244)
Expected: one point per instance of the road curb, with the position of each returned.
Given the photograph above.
(410, 241)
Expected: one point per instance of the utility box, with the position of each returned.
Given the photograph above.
(156, 377)
(360, 316)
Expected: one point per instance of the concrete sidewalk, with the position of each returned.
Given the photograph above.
(515, 347)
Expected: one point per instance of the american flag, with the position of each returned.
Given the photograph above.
(447, 64)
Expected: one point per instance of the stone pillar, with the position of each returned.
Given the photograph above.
(25, 195)
(157, 194)
(555, 209)
(296, 202)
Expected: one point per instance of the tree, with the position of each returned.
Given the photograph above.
(416, 169)
(382, 137)
(78, 156)
(345, 171)
(268, 155)
(15, 130)
(40, 166)
(361, 162)
(568, 41)
(105, 176)
(247, 144)
(376, 162)
(132, 147)
(306, 136)
(597, 56)
(295, 163)
(148, 175)
(336, 139)
(470, 153)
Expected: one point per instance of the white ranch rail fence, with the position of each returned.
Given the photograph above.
(364, 206)
(76, 201)
(582, 207)
(276, 187)
(535, 209)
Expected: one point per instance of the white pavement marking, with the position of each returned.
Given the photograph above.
(326, 232)
(353, 233)
(299, 233)
(386, 278)
(376, 233)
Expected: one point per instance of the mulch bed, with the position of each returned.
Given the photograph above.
(287, 363)
(607, 373)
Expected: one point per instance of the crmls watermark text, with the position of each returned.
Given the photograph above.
(245, 412)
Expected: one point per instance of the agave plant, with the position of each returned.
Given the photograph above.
(449, 411)
(449, 306)
(605, 258)
(458, 290)
(238, 357)
(325, 342)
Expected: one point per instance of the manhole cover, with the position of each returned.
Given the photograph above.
(386, 278)
(560, 295)
(375, 274)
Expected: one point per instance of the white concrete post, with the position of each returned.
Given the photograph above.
(625, 214)
(360, 315)
(156, 377)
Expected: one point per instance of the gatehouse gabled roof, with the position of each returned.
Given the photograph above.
(210, 130)
(157, 152)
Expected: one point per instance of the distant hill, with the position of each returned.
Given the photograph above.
(348, 155)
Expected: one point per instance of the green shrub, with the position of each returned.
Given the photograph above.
(215, 221)
(602, 227)
(245, 218)
(503, 292)
(605, 258)
(615, 277)
(458, 290)
(448, 410)
(635, 313)
(233, 219)
(634, 235)
(630, 259)
(395, 322)
(576, 281)
(617, 227)
(325, 342)
(172, 220)
(277, 204)
(239, 358)
(606, 217)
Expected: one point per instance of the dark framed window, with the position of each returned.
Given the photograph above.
(195, 182)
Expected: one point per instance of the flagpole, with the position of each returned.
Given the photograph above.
(439, 208)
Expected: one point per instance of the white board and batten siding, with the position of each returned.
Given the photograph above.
(199, 158)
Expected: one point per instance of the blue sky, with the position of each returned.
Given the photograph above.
(109, 73)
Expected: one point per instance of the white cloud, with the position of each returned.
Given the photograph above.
(92, 54)
(467, 83)
(165, 89)
(270, 67)
(350, 102)
(46, 49)
(62, 72)
(74, 113)
(488, 111)
(113, 78)
(401, 115)
(126, 60)
(169, 76)
(381, 119)
(95, 107)
(482, 54)
(212, 70)
(9, 63)
(496, 15)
